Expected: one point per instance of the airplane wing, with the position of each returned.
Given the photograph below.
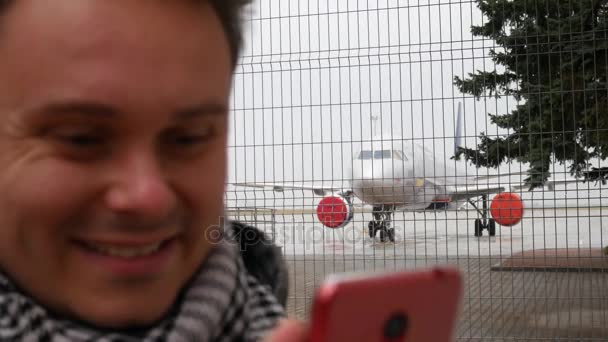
(318, 189)
(463, 192)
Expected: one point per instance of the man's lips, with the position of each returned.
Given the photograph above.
(129, 259)
(125, 247)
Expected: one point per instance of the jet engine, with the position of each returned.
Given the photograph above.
(335, 211)
(507, 209)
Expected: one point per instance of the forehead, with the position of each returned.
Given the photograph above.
(114, 49)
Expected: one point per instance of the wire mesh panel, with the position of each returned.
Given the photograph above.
(392, 135)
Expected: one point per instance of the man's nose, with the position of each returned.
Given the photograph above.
(139, 186)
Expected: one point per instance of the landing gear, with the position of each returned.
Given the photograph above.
(382, 223)
(484, 222)
(371, 226)
(391, 234)
(492, 227)
(478, 228)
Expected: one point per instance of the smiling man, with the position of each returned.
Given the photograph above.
(113, 144)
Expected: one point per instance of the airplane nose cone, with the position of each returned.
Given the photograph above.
(383, 182)
(370, 175)
(376, 190)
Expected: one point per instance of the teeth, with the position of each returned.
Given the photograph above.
(125, 252)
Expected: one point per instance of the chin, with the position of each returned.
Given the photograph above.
(124, 313)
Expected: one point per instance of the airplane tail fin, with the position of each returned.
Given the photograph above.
(458, 132)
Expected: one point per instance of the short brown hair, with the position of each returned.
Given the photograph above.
(230, 13)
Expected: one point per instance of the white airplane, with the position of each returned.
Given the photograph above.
(393, 174)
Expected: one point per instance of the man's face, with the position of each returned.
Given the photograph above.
(113, 127)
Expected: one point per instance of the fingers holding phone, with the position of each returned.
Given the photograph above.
(289, 331)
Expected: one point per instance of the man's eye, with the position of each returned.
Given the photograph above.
(81, 140)
(190, 139)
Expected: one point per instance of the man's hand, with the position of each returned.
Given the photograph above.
(289, 331)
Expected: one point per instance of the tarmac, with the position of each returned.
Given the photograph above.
(510, 291)
(433, 234)
(496, 306)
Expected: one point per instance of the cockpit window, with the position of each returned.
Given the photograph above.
(365, 155)
(383, 154)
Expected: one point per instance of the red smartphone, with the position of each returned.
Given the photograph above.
(419, 306)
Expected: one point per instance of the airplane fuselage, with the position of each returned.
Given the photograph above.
(401, 174)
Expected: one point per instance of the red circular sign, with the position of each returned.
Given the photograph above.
(507, 209)
(332, 211)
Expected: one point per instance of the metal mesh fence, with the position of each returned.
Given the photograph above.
(345, 119)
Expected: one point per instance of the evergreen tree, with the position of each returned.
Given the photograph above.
(554, 54)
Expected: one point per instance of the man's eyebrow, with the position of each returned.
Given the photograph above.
(84, 108)
(103, 110)
(202, 110)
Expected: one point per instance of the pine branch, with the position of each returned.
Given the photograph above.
(597, 175)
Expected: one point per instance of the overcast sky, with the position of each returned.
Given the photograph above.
(315, 72)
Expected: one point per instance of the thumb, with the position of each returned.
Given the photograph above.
(289, 331)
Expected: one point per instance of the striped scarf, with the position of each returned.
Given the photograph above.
(224, 302)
